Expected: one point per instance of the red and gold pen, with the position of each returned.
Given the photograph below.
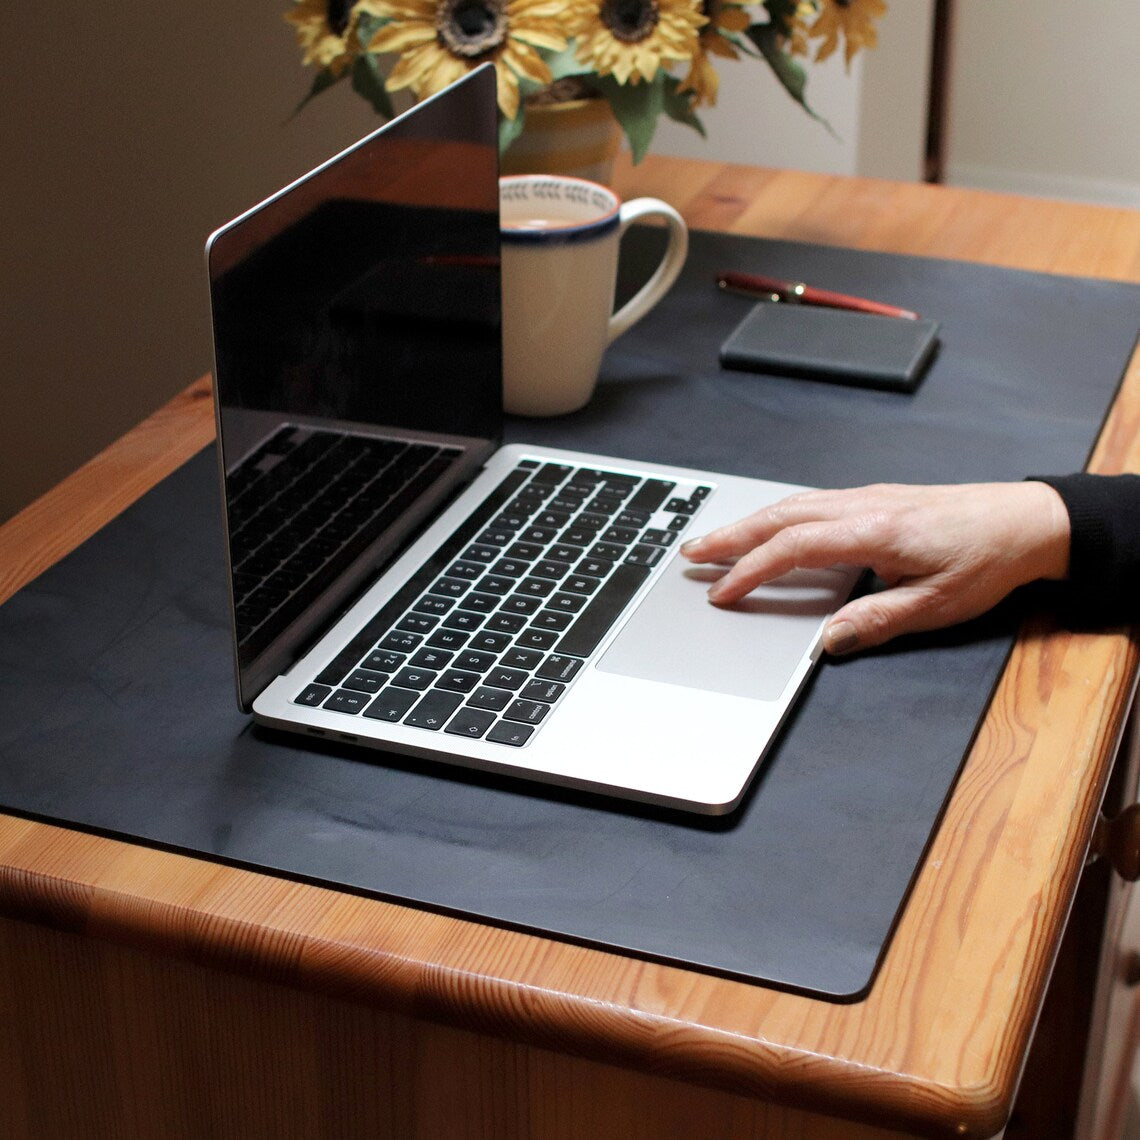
(796, 292)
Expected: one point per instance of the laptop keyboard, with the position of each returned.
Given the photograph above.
(485, 640)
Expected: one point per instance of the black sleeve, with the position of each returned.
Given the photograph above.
(1104, 555)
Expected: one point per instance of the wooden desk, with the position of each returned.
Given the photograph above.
(147, 993)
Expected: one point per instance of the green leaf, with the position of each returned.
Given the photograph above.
(367, 25)
(780, 13)
(679, 105)
(368, 82)
(636, 107)
(786, 68)
(510, 129)
(322, 81)
(563, 64)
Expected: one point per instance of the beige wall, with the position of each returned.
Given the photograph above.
(1046, 99)
(129, 132)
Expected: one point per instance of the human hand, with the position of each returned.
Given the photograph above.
(946, 553)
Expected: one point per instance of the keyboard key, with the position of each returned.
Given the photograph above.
(401, 641)
(496, 536)
(525, 552)
(520, 604)
(539, 534)
(566, 603)
(594, 567)
(650, 495)
(520, 658)
(558, 667)
(515, 735)
(505, 623)
(451, 587)
(463, 620)
(578, 535)
(429, 659)
(490, 642)
(546, 691)
(312, 695)
(391, 704)
(418, 623)
(620, 534)
(457, 681)
(479, 553)
(346, 701)
(645, 555)
(607, 550)
(432, 712)
(536, 587)
(468, 570)
(502, 678)
(414, 678)
(495, 584)
(551, 619)
(549, 568)
(470, 722)
(480, 603)
(564, 552)
(384, 660)
(494, 700)
(660, 537)
(447, 639)
(581, 584)
(480, 662)
(526, 712)
(433, 604)
(365, 681)
(536, 639)
(511, 567)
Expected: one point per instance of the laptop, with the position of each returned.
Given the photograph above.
(400, 579)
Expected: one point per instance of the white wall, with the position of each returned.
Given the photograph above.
(876, 109)
(1045, 99)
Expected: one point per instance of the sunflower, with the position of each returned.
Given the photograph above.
(326, 32)
(726, 18)
(799, 27)
(440, 40)
(631, 39)
(855, 19)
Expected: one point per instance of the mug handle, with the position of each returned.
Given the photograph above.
(664, 275)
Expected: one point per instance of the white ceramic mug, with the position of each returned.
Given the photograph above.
(560, 239)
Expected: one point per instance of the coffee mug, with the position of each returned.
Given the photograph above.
(560, 243)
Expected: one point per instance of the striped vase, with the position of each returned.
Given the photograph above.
(580, 137)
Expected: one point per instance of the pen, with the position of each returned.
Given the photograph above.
(796, 292)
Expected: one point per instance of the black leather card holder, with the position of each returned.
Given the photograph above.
(838, 345)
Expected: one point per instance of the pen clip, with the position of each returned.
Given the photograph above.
(728, 287)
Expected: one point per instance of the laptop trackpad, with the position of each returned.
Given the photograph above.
(749, 650)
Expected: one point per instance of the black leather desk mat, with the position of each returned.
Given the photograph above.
(117, 713)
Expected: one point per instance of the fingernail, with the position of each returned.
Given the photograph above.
(840, 638)
(691, 546)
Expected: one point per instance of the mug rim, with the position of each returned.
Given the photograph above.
(560, 233)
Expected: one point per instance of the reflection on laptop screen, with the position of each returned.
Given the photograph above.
(357, 364)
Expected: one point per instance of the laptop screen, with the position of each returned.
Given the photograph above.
(357, 364)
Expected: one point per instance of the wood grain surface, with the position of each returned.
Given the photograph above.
(548, 1033)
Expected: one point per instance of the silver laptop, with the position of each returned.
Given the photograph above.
(402, 581)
